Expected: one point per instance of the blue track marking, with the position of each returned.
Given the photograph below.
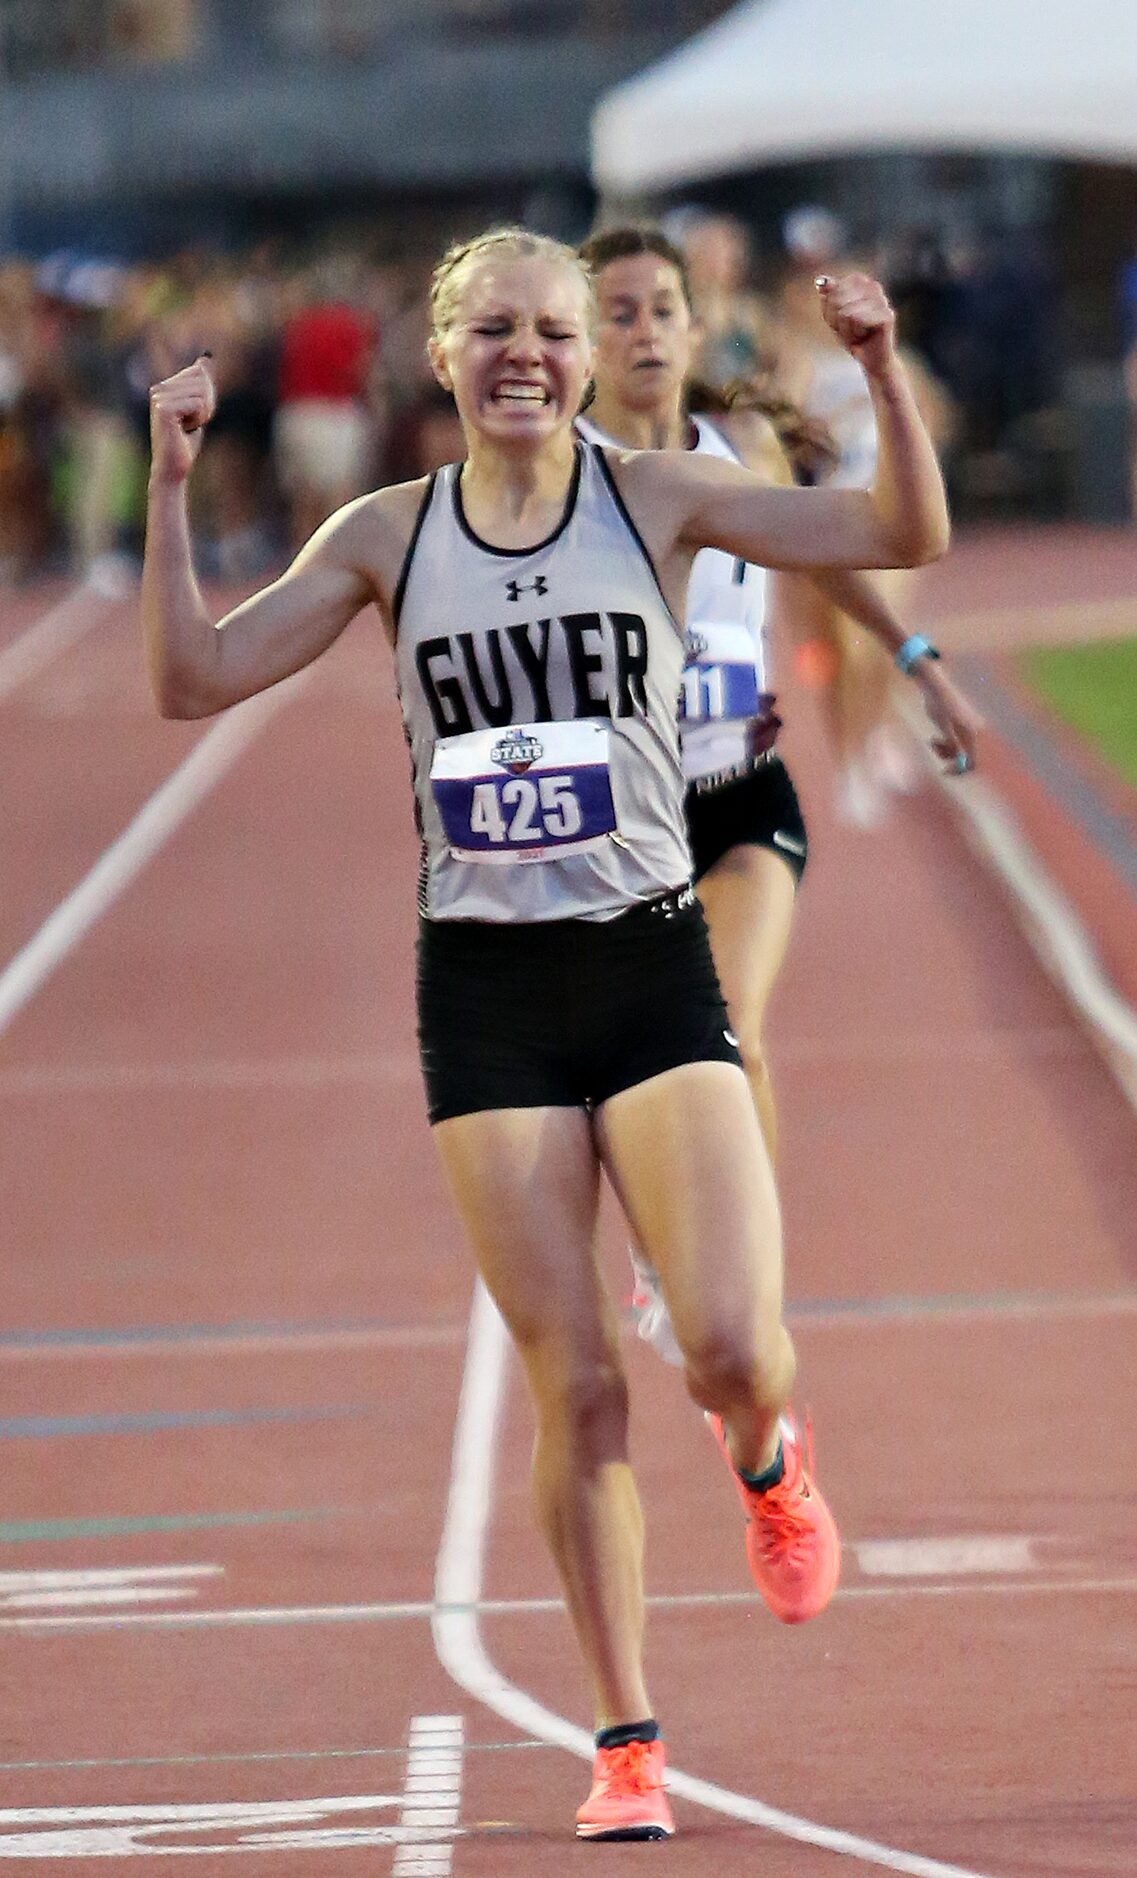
(39, 1531)
(166, 1335)
(52, 1427)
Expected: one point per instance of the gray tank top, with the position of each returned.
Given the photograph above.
(538, 688)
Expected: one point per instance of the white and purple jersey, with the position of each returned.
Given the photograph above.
(725, 694)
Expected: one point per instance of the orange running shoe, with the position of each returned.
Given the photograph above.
(627, 1799)
(792, 1542)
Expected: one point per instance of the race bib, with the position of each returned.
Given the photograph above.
(529, 793)
(720, 678)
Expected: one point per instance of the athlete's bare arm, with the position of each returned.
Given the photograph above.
(753, 438)
(849, 589)
(956, 724)
(900, 522)
(198, 667)
(854, 592)
(690, 501)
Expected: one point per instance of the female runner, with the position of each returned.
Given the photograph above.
(569, 1013)
(748, 839)
(859, 695)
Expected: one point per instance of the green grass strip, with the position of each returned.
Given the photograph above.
(1092, 688)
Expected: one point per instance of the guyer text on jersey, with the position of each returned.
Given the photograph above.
(523, 672)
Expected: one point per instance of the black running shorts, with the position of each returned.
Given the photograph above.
(759, 809)
(566, 1013)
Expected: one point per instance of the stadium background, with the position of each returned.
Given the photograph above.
(233, 1314)
(206, 143)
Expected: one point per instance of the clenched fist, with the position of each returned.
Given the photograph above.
(857, 309)
(180, 407)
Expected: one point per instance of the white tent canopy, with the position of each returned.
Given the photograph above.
(782, 79)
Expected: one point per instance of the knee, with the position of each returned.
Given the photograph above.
(753, 1053)
(726, 1365)
(585, 1402)
(720, 1362)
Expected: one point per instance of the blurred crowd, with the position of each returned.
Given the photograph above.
(978, 317)
(325, 390)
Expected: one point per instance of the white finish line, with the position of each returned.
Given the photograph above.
(457, 1638)
(432, 1793)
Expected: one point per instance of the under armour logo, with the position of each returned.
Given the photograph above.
(515, 588)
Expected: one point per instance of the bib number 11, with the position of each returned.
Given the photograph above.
(522, 808)
(718, 691)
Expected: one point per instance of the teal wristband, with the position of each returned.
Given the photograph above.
(915, 647)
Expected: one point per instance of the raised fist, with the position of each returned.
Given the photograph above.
(857, 309)
(180, 407)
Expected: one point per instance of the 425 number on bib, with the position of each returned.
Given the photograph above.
(526, 794)
(526, 809)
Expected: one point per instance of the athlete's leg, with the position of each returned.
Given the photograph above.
(748, 897)
(855, 682)
(860, 697)
(526, 1185)
(814, 623)
(686, 1157)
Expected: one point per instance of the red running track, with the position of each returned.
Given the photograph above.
(236, 1307)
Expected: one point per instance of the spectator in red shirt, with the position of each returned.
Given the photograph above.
(324, 432)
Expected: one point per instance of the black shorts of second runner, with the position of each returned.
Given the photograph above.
(760, 810)
(567, 1013)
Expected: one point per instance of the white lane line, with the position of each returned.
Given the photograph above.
(67, 622)
(416, 1611)
(117, 1595)
(78, 1832)
(91, 1589)
(1045, 916)
(945, 1558)
(205, 1812)
(98, 1575)
(150, 829)
(1055, 932)
(458, 1587)
(432, 1793)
